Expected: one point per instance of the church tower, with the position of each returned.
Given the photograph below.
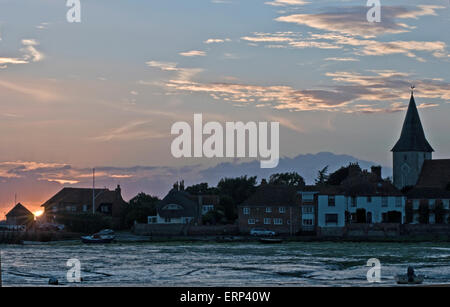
(411, 150)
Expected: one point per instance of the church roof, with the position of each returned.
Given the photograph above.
(435, 174)
(412, 137)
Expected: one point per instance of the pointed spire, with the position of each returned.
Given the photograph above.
(412, 137)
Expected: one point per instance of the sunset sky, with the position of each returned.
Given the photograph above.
(105, 92)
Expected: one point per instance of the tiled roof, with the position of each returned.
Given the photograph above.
(273, 195)
(435, 173)
(19, 210)
(82, 196)
(181, 198)
(412, 137)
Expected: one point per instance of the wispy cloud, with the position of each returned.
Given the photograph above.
(352, 20)
(286, 2)
(193, 53)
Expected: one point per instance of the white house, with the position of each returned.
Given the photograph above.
(337, 210)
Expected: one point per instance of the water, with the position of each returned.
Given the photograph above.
(227, 264)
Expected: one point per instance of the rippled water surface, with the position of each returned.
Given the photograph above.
(231, 264)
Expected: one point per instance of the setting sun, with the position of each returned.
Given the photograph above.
(38, 213)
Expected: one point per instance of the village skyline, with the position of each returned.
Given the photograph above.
(104, 92)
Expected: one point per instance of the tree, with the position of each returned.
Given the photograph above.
(213, 217)
(322, 176)
(341, 174)
(202, 189)
(226, 202)
(291, 179)
(139, 209)
(239, 189)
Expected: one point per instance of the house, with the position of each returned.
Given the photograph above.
(308, 206)
(180, 207)
(362, 198)
(19, 216)
(428, 202)
(80, 200)
(272, 207)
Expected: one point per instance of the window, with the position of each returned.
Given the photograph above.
(354, 202)
(398, 202)
(267, 221)
(207, 208)
(384, 201)
(54, 209)
(308, 209)
(331, 219)
(331, 201)
(85, 208)
(152, 219)
(251, 221)
(246, 211)
(369, 199)
(307, 222)
(278, 221)
(282, 210)
(167, 220)
(268, 210)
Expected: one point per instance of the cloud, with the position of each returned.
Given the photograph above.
(165, 66)
(216, 40)
(193, 53)
(286, 2)
(30, 54)
(359, 46)
(137, 130)
(352, 20)
(341, 59)
(351, 92)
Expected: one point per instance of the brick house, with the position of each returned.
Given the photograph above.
(272, 207)
(428, 202)
(79, 201)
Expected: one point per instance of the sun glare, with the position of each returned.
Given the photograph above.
(38, 213)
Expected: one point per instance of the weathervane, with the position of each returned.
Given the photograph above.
(412, 89)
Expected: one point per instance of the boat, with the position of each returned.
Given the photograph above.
(102, 237)
(402, 279)
(270, 240)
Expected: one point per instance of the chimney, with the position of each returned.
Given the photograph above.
(118, 192)
(376, 170)
(353, 170)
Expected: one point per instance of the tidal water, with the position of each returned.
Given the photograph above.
(223, 264)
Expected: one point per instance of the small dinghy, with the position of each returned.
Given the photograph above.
(403, 279)
(409, 278)
(102, 237)
(270, 240)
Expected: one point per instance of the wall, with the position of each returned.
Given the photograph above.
(184, 230)
(259, 213)
(414, 160)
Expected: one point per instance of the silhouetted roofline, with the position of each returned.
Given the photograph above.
(412, 137)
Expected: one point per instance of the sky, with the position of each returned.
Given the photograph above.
(105, 92)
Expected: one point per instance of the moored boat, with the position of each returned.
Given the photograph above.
(102, 237)
(404, 280)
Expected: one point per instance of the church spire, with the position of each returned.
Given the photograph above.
(412, 137)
